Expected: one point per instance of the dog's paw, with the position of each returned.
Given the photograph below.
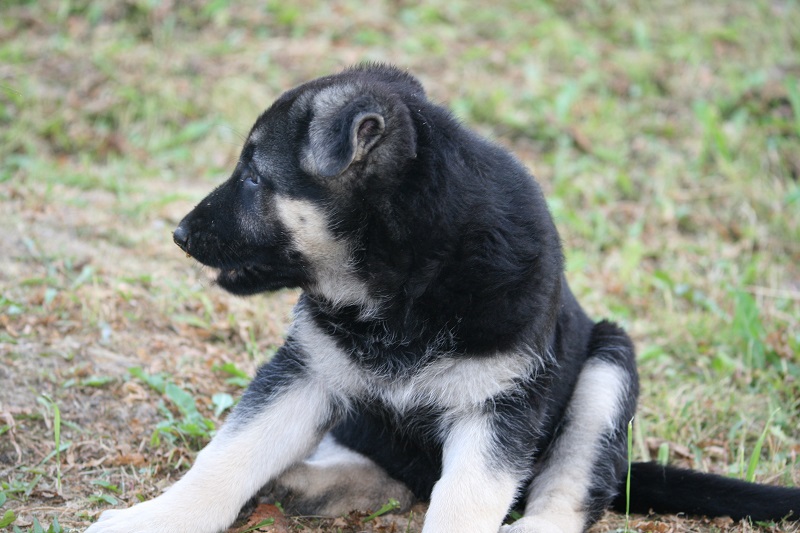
(533, 524)
(131, 520)
(155, 516)
(335, 490)
(141, 518)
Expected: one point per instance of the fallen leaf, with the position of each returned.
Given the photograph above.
(261, 513)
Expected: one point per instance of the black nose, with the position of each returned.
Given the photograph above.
(181, 237)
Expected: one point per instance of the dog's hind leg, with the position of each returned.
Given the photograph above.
(578, 476)
(335, 480)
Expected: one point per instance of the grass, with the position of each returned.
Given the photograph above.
(628, 478)
(388, 507)
(666, 136)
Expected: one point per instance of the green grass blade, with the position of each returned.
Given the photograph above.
(663, 454)
(793, 92)
(8, 518)
(756, 455)
(628, 479)
(264, 523)
(57, 436)
(389, 506)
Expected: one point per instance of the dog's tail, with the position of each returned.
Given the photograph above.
(671, 490)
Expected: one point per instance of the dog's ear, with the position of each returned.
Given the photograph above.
(338, 139)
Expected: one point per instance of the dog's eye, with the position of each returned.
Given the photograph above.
(251, 177)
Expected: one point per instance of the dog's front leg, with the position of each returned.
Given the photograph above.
(476, 489)
(281, 417)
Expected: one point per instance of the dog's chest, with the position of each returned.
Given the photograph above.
(453, 383)
(405, 376)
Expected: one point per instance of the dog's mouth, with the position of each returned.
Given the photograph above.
(253, 279)
(270, 269)
(241, 280)
(232, 275)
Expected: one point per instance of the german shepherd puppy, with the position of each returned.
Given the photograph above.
(436, 352)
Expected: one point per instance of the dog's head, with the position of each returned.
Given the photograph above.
(365, 194)
(288, 215)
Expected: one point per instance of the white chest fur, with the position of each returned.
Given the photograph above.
(451, 382)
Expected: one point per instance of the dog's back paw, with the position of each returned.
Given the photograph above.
(334, 481)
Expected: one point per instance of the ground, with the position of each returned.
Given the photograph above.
(665, 134)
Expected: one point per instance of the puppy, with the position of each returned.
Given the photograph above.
(436, 352)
